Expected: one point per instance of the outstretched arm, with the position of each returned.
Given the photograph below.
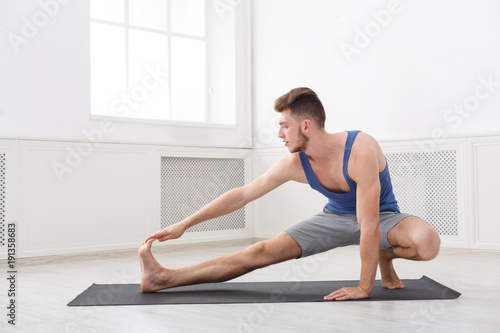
(281, 172)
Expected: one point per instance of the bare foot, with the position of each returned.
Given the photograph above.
(390, 279)
(153, 275)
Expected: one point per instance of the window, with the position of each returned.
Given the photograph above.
(169, 60)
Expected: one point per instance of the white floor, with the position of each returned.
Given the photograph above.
(46, 285)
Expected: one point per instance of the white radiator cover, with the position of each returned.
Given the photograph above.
(189, 183)
(430, 185)
(425, 184)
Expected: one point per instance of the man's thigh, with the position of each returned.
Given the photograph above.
(410, 231)
(281, 247)
(324, 231)
(388, 221)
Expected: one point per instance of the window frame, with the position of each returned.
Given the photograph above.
(207, 122)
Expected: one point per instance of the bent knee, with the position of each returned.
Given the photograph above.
(428, 244)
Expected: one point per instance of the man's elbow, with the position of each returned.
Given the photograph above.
(238, 197)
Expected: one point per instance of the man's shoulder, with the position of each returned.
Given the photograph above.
(366, 153)
(365, 141)
(289, 167)
(292, 159)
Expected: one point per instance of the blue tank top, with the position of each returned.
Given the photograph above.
(345, 203)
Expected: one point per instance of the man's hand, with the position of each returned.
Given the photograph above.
(171, 232)
(347, 293)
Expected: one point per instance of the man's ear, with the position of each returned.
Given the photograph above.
(306, 125)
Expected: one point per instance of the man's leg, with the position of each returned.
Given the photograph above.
(277, 249)
(413, 239)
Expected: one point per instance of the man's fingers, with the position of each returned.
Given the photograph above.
(164, 238)
(332, 296)
(165, 234)
(347, 293)
(153, 237)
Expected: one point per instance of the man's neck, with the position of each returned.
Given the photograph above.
(323, 144)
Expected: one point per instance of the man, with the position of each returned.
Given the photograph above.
(350, 169)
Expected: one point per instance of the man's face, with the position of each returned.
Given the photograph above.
(291, 133)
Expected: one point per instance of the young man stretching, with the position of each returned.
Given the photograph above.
(350, 169)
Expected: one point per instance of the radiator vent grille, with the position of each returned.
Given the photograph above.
(187, 184)
(2, 200)
(425, 185)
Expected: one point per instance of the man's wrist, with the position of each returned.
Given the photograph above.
(185, 224)
(366, 290)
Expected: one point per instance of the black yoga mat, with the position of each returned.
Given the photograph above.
(254, 292)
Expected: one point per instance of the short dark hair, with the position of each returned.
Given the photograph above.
(303, 103)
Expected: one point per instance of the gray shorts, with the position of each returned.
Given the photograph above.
(327, 230)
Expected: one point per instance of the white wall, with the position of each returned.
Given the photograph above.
(430, 57)
(45, 83)
(405, 80)
(484, 223)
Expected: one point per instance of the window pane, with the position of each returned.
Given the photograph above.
(107, 67)
(188, 80)
(148, 13)
(109, 10)
(188, 17)
(148, 75)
